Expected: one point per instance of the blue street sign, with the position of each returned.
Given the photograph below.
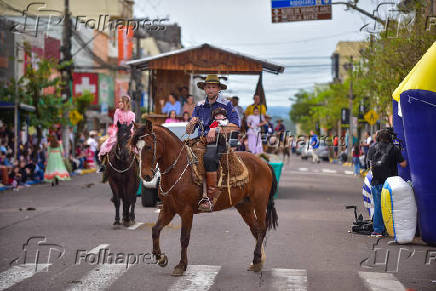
(298, 3)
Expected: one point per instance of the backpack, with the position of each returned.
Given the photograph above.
(379, 161)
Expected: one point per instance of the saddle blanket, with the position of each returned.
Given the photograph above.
(236, 175)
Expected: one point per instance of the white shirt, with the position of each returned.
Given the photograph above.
(92, 144)
(368, 140)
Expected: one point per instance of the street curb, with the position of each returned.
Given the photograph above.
(30, 183)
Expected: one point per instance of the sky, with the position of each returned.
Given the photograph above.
(245, 26)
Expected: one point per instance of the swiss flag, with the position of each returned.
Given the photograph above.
(86, 81)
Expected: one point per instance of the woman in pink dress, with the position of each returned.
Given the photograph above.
(123, 114)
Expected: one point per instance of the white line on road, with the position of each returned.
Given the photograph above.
(289, 279)
(197, 277)
(100, 277)
(157, 211)
(303, 169)
(98, 248)
(329, 171)
(135, 226)
(288, 178)
(381, 281)
(348, 172)
(18, 273)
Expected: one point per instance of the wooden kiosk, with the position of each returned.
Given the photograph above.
(173, 70)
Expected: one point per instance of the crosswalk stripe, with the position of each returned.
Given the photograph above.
(381, 281)
(348, 172)
(303, 169)
(135, 226)
(329, 171)
(97, 249)
(196, 277)
(100, 277)
(18, 273)
(290, 279)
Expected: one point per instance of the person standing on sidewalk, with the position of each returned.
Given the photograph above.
(314, 142)
(383, 158)
(356, 162)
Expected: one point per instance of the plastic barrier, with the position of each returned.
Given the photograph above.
(277, 167)
(368, 200)
(399, 209)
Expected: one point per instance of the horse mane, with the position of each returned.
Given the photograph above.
(142, 130)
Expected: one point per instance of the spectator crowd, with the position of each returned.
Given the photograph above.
(254, 121)
(28, 165)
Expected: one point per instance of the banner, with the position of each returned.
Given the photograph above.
(106, 90)
(125, 44)
(86, 82)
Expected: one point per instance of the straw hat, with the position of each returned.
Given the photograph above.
(212, 79)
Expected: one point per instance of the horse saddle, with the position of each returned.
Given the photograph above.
(231, 170)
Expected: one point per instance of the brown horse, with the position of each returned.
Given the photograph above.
(180, 194)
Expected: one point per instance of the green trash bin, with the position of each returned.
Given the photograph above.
(277, 167)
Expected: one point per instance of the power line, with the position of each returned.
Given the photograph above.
(295, 41)
(301, 58)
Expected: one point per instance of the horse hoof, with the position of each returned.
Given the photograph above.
(126, 223)
(163, 261)
(132, 222)
(255, 267)
(117, 222)
(178, 271)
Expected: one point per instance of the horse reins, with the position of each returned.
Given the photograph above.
(166, 171)
(118, 170)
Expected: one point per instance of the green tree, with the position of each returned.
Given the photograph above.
(49, 106)
(81, 104)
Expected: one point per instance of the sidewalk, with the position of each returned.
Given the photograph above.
(79, 172)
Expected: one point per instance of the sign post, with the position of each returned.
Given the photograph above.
(300, 10)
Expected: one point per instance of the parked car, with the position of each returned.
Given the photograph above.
(306, 151)
(299, 147)
(149, 193)
(323, 151)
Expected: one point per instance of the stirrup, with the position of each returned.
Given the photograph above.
(205, 199)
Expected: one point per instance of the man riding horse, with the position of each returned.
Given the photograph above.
(203, 115)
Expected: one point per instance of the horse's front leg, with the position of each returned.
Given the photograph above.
(132, 211)
(184, 241)
(126, 208)
(116, 202)
(165, 217)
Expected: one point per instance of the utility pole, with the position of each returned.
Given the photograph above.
(67, 72)
(138, 86)
(17, 101)
(350, 107)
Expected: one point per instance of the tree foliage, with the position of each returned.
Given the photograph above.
(390, 56)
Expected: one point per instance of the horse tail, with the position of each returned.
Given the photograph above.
(272, 219)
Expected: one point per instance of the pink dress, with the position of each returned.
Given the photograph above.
(125, 117)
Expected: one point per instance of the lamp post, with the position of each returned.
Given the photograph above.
(349, 68)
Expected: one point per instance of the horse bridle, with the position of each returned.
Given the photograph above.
(140, 145)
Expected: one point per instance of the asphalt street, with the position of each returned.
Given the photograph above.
(312, 248)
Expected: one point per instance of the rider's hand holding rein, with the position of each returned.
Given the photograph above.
(190, 127)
